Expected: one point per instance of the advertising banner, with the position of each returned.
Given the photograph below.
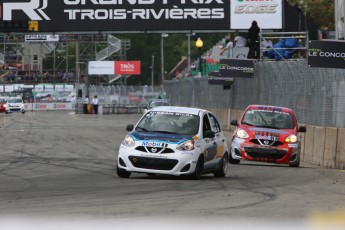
(128, 67)
(326, 54)
(267, 13)
(214, 78)
(41, 38)
(236, 68)
(120, 15)
(101, 67)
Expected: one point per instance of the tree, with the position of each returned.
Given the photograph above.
(320, 11)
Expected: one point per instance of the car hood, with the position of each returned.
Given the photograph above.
(157, 136)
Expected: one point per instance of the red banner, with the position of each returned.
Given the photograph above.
(128, 67)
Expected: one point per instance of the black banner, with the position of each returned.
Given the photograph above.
(214, 78)
(236, 68)
(120, 15)
(326, 54)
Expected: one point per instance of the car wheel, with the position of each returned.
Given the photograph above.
(199, 168)
(223, 166)
(122, 172)
(294, 164)
(232, 160)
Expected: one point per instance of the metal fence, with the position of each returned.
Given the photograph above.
(317, 95)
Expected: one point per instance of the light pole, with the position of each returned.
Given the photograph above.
(152, 71)
(162, 57)
(199, 44)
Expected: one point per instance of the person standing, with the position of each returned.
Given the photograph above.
(86, 103)
(240, 41)
(253, 39)
(228, 46)
(95, 103)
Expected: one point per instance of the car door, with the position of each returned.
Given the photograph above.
(219, 139)
(210, 145)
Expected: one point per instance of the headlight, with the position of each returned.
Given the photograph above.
(291, 139)
(128, 141)
(187, 145)
(241, 134)
(22, 105)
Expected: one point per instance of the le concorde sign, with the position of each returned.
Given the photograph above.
(326, 54)
(120, 15)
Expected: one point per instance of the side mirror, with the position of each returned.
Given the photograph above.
(302, 129)
(234, 122)
(130, 127)
(209, 134)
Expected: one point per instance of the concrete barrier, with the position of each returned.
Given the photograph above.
(330, 147)
(302, 140)
(309, 144)
(319, 145)
(340, 155)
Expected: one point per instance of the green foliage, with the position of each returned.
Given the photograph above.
(320, 11)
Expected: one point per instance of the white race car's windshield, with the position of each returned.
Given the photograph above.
(169, 122)
(155, 104)
(15, 100)
(268, 119)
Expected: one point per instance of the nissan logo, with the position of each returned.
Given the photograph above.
(154, 150)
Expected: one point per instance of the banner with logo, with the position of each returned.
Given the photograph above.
(101, 67)
(41, 38)
(267, 13)
(128, 67)
(236, 68)
(214, 78)
(326, 54)
(120, 15)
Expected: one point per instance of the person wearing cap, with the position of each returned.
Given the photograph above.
(95, 103)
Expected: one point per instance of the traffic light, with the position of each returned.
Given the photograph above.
(13, 26)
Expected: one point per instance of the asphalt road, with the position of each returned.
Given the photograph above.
(58, 165)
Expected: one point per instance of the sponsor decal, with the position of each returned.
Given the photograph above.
(59, 106)
(41, 38)
(265, 135)
(41, 106)
(154, 156)
(153, 144)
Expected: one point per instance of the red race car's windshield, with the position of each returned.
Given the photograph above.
(268, 119)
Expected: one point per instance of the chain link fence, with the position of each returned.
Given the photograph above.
(317, 95)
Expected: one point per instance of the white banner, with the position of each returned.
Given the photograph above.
(267, 13)
(41, 38)
(9, 88)
(101, 67)
(1, 88)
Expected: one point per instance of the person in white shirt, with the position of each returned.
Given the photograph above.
(240, 41)
(95, 103)
(228, 46)
(86, 103)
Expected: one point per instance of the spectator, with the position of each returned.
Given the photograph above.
(253, 39)
(95, 103)
(240, 41)
(228, 46)
(86, 103)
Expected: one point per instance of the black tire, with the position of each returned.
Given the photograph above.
(122, 172)
(199, 168)
(232, 160)
(294, 164)
(223, 166)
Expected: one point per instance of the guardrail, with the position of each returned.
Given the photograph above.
(122, 109)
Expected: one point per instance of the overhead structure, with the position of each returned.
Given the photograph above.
(339, 8)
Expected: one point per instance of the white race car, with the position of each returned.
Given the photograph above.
(175, 141)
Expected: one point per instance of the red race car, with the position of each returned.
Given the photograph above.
(2, 104)
(266, 134)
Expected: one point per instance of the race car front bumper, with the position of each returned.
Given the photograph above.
(284, 154)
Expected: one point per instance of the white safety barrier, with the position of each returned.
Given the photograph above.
(49, 106)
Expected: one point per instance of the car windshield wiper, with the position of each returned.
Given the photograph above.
(164, 132)
(142, 129)
(246, 123)
(267, 126)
